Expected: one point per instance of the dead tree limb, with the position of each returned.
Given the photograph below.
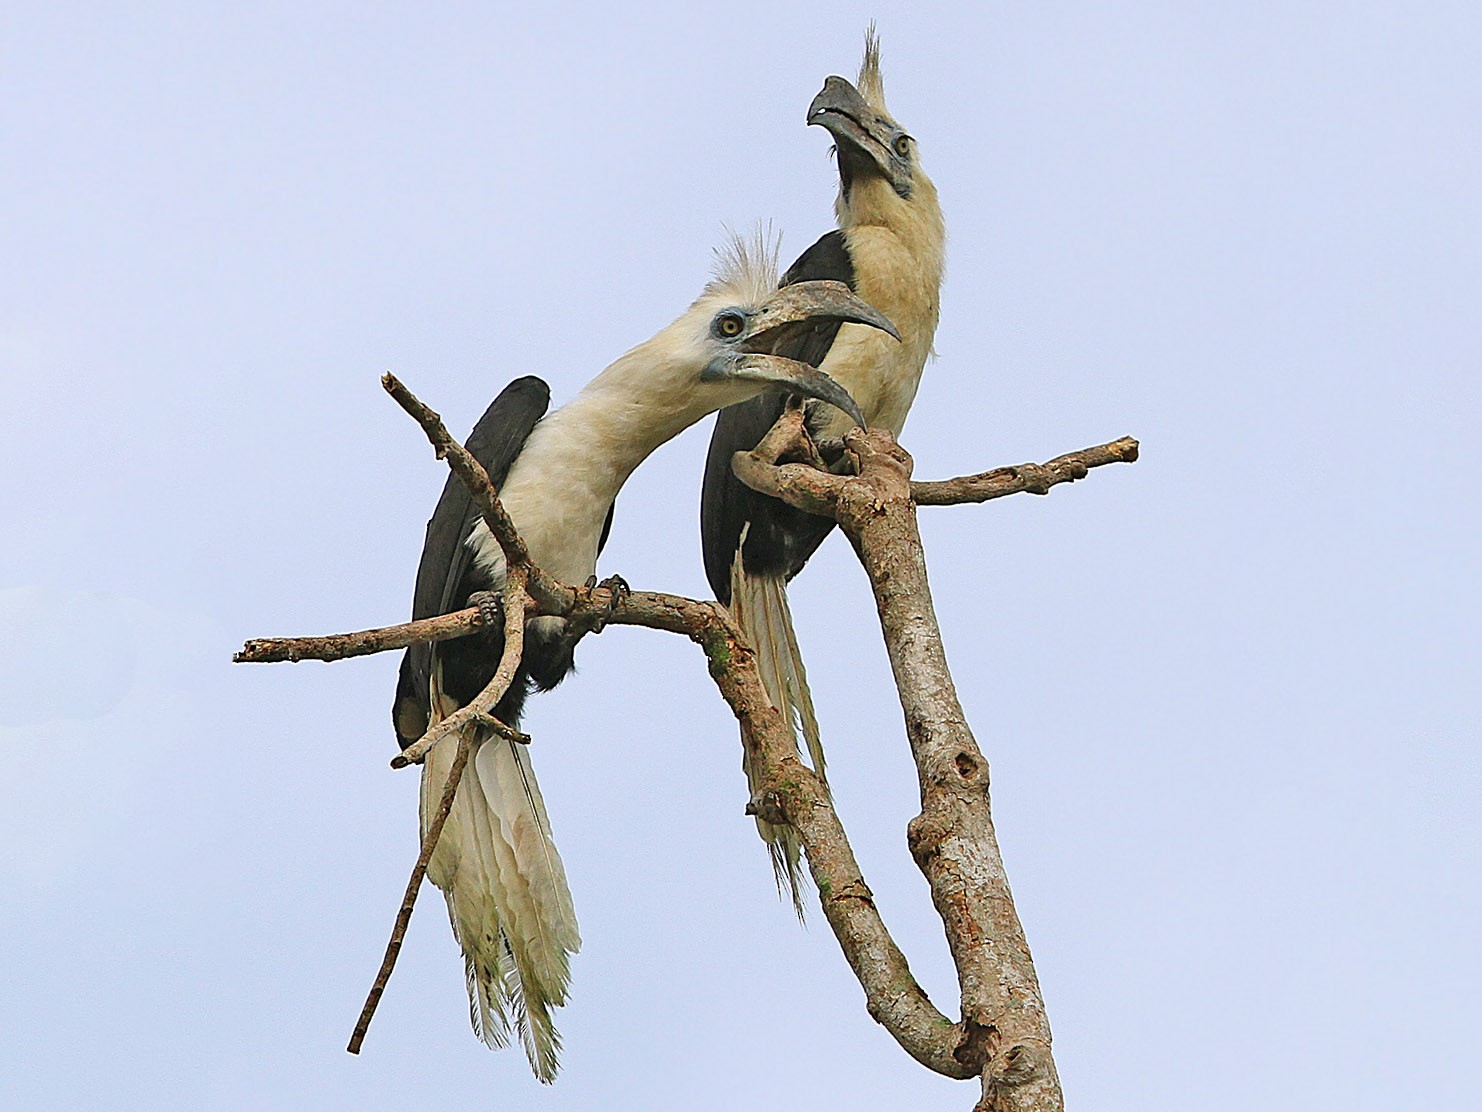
(790, 791)
(340, 646)
(1006, 1034)
(542, 588)
(1003, 1037)
(477, 715)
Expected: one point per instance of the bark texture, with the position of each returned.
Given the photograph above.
(952, 839)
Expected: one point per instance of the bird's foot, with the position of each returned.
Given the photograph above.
(618, 592)
(491, 608)
(593, 618)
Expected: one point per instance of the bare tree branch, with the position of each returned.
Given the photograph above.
(791, 792)
(519, 572)
(468, 469)
(541, 587)
(340, 646)
(792, 482)
(1003, 1037)
(1007, 1034)
(817, 491)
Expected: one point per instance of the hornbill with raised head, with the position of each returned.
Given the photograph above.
(889, 248)
(557, 477)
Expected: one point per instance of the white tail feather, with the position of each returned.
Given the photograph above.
(463, 866)
(507, 895)
(539, 920)
(759, 604)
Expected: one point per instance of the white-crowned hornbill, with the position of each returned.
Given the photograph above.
(557, 477)
(889, 248)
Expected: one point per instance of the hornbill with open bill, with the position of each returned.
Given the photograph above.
(557, 477)
(889, 248)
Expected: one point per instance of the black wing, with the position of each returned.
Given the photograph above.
(446, 575)
(780, 538)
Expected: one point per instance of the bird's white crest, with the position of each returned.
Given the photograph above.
(747, 268)
(871, 84)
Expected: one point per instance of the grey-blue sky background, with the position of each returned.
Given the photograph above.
(1229, 694)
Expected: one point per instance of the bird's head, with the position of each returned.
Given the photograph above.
(744, 338)
(722, 350)
(742, 319)
(873, 150)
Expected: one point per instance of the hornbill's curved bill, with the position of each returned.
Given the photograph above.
(888, 248)
(558, 476)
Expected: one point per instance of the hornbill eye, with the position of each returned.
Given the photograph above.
(902, 145)
(728, 325)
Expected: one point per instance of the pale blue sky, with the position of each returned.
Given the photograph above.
(1229, 694)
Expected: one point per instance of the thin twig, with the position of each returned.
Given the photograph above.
(499, 729)
(409, 898)
(468, 469)
(1029, 478)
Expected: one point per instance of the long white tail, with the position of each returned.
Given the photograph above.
(759, 604)
(507, 895)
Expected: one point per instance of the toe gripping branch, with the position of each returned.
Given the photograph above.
(491, 607)
(596, 621)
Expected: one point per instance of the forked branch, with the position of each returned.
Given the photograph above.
(1003, 1037)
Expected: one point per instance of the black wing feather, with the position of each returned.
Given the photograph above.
(826, 260)
(780, 538)
(446, 575)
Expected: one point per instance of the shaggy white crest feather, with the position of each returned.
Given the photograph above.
(747, 268)
(871, 82)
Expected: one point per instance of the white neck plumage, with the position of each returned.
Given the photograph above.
(641, 401)
(577, 459)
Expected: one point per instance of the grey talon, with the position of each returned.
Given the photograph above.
(491, 607)
(619, 589)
